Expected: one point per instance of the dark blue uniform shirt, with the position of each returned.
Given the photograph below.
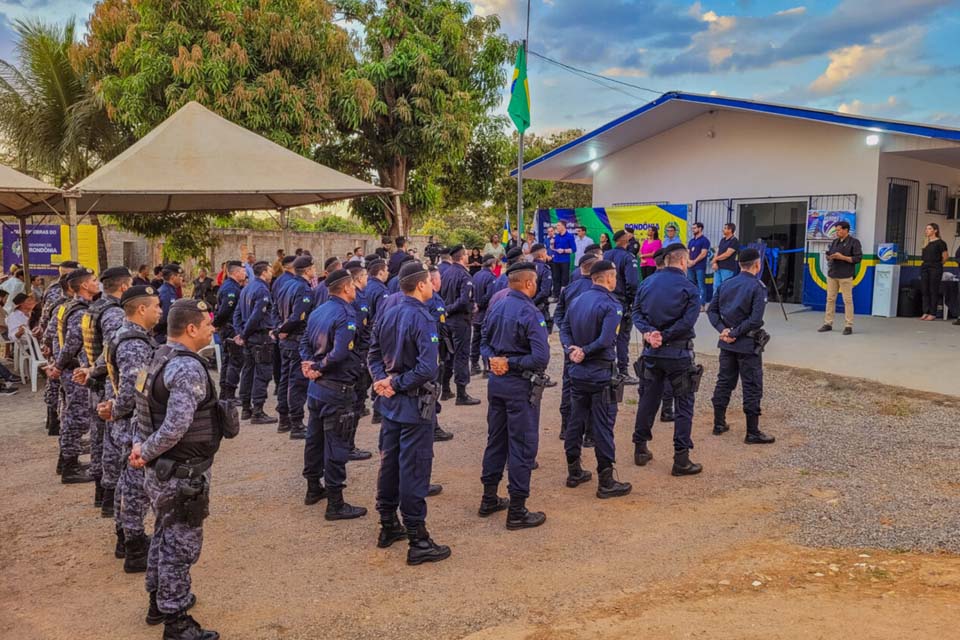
(330, 344)
(483, 282)
(544, 283)
(294, 305)
(321, 294)
(627, 275)
(405, 345)
(253, 313)
(593, 324)
(228, 296)
(376, 291)
(393, 285)
(668, 302)
(738, 305)
(456, 289)
(515, 329)
(567, 295)
(361, 308)
(168, 295)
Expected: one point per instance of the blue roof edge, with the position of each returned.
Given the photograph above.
(804, 113)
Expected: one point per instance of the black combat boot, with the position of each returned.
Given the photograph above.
(358, 454)
(475, 369)
(106, 509)
(135, 553)
(682, 465)
(666, 411)
(446, 394)
(518, 517)
(720, 425)
(641, 454)
(576, 475)
(464, 398)
(422, 548)
(439, 435)
(434, 490)
(490, 503)
(53, 422)
(337, 509)
(315, 492)
(180, 626)
(588, 442)
(259, 417)
(97, 492)
(754, 435)
(119, 551)
(298, 431)
(155, 616)
(59, 463)
(74, 472)
(390, 531)
(245, 412)
(283, 424)
(610, 488)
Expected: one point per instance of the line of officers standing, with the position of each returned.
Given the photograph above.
(156, 418)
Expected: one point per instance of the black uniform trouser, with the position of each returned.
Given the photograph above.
(748, 367)
(276, 367)
(657, 373)
(460, 330)
(232, 361)
(930, 276)
(257, 370)
(325, 454)
(406, 461)
(623, 342)
(589, 408)
(561, 276)
(292, 390)
(475, 343)
(513, 432)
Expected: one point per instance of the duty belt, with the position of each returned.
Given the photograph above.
(679, 344)
(191, 468)
(335, 386)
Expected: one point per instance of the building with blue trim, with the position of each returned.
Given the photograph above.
(769, 168)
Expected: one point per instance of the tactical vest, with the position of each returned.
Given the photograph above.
(66, 310)
(202, 438)
(92, 331)
(110, 354)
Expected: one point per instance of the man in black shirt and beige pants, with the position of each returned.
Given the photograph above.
(844, 254)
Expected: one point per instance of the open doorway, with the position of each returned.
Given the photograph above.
(782, 225)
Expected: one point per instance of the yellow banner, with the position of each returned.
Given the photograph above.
(641, 218)
(86, 246)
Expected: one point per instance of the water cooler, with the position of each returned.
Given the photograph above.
(886, 281)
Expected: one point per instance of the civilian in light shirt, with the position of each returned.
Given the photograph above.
(582, 241)
(18, 322)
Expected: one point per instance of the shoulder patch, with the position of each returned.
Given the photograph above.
(351, 326)
(231, 295)
(434, 337)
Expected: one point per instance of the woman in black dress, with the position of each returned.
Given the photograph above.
(476, 261)
(605, 242)
(933, 256)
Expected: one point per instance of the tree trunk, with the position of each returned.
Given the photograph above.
(395, 177)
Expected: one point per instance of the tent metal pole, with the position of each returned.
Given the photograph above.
(72, 219)
(25, 251)
(284, 231)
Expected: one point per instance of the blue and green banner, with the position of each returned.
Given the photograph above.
(599, 220)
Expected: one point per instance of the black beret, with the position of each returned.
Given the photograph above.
(337, 276)
(353, 265)
(619, 234)
(659, 253)
(444, 251)
(190, 304)
(372, 262)
(287, 260)
(411, 268)
(139, 291)
(588, 257)
(602, 265)
(329, 262)
(537, 247)
(593, 247)
(748, 255)
(19, 299)
(406, 258)
(371, 257)
(521, 266)
(303, 262)
(115, 272)
(70, 264)
(456, 248)
(514, 254)
(79, 274)
(232, 264)
(673, 248)
(171, 269)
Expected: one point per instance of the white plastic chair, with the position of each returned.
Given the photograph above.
(31, 360)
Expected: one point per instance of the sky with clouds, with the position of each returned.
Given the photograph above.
(888, 58)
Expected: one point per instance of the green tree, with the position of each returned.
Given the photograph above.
(436, 72)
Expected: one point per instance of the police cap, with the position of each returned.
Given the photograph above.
(619, 234)
(659, 253)
(457, 248)
(593, 247)
(81, 273)
(406, 258)
(521, 266)
(410, 269)
(288, 260)
(329, 262)
(139, 291)
(303, 262)
(673, 248)
(444, 251)
(70, 264)
(589, 257)
(337, 276)
(514, 254)
(602, 265)
(371, 257)
(114, 272)
(353, 265)
(190, 304)
(748, 255)
(488, 259)
(537, 247)
(171, 269)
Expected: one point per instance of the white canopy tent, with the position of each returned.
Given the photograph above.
(196, 160)
(19, 192)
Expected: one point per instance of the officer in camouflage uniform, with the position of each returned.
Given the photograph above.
(129, 352)
(99, 323)
(75, 418)
(182, 422)
(52, 298)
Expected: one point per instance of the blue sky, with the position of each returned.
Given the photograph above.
(888, 58)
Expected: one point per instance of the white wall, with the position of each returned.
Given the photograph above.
(896, 166)
(749, 156)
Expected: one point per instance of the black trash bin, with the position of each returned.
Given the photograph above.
(909, 303)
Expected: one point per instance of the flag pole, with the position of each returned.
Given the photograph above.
(520, 228)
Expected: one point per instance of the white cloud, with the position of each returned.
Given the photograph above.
(890, 107)
(624, 72)
(850, 62)
(508, 10)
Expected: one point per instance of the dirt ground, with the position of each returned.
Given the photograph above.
(700, 557)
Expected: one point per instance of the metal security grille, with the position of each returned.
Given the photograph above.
(639, 204)
(903, 201)
(834, 202)
(713, 214)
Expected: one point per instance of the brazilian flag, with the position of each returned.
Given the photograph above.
(519, 108)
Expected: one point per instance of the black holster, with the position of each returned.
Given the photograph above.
(688, 381)
(613, 392)
(427, 400)
(229, 418)
(343, 424)
(263, 353)
(638, 368)
(760, 339)
(538, 382)
(193, 501)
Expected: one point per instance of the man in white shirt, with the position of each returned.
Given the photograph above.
(13, 286)
(581, 242)
(18, 322)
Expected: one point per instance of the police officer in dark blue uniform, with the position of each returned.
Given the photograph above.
(665, 312)
(294, 305)
(276, 286)
(589, 336)
(393, 284)
(591, 250)
(515, 343)
(457, 293)
(736, 311)
(172, 278)
(579, 282)
(361, 307)
(376, 293)
(511, 258)
(438, 310)
(331, 362)
(627, 280)
(483, 281)
(538, 254)
(403, 361)
(253, 322)
(228, 297)
(321, 293)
